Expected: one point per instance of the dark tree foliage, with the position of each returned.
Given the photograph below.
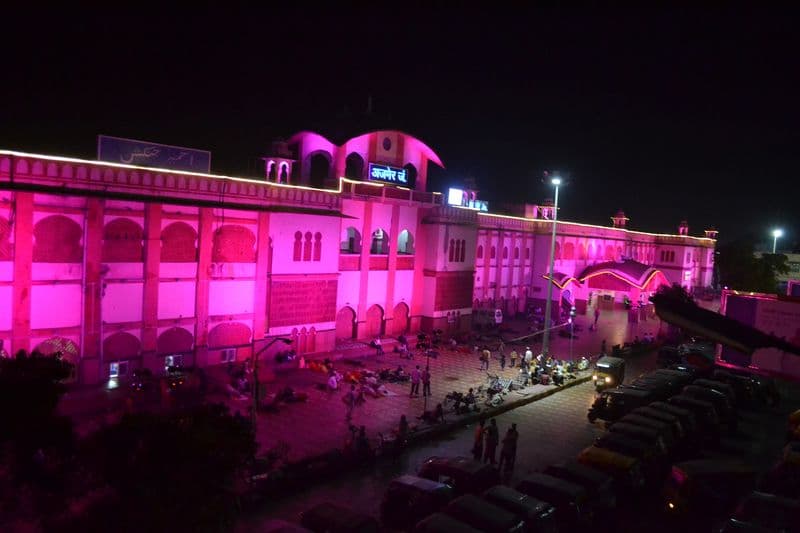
(35, 442)
(170, 472)
(740, 269)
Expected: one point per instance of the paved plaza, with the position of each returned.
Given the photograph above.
(318, 425)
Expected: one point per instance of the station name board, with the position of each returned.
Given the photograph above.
(387, 174)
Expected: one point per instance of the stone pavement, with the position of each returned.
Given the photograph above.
(318, 425)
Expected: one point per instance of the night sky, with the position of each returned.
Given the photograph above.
(667, 114)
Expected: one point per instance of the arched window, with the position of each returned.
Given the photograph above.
(354, 166)
(284, 173)
(319, 169)
(307, 247)
(463, 250)
(494, 252)
(458, 251)
(581, 252)
(516, 252)
(317, 246)
(451, 251)
(479, 252)
(380, 242)
(272, 174)
(527, 253)
(298, 246)
(505, 252)
(558, 251)
(405, 243)
(352, 241)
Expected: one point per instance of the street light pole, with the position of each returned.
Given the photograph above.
(572, 314)
(254, 405)
(776, 234)
(546, 336)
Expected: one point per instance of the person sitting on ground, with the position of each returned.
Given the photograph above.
(469, 399)
(333, 383)
(437, 415)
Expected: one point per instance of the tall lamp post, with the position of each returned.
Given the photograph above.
(776, 234)
(556, 181)
(572, 314)
(254, 406)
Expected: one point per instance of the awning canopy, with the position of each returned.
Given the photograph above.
(633, 273)
(560, 279)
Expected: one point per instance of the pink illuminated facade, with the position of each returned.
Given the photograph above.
(119, 266)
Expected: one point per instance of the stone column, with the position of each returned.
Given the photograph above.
(23, 261)
(205, 244)
(152, 267)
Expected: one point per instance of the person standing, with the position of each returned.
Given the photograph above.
(596, 313)
(477, 445)
(350, 402)
(378, 346)
(528, 356)
(486, 355)
(514, 356)
(415, 379)
(603, 347)
(492, 440)
(426, 381)
(509, 449)
(502, 361)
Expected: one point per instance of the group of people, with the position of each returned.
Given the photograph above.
(487, 439)
(418, 377)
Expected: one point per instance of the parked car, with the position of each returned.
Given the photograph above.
(484, 516)
(641, 433)
(719, 386)
(332, 518)
(409, 499)
(464, 474)
(686, 417)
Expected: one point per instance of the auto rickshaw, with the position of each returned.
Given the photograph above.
(333, 518)
(464, 474)
(610, 372)
(615, 403)
(442, 523)
(666, 430)
(599, 484)
(701, 489)
(574, 510)
(768, 511)
(538, 515)
(482, 515)
(625, 469)
(409, 499)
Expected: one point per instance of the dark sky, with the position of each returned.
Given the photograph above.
(667, 114)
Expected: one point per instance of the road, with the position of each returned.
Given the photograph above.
(551, 430)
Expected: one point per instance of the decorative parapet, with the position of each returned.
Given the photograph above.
(81, 177)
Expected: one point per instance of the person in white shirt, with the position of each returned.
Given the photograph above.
(528, 356)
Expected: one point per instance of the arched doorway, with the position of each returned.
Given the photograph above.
(374, 321)
(345, 324)
(400, 319)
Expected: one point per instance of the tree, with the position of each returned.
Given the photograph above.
(35, 442)
(740, 269)
(167, 472)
